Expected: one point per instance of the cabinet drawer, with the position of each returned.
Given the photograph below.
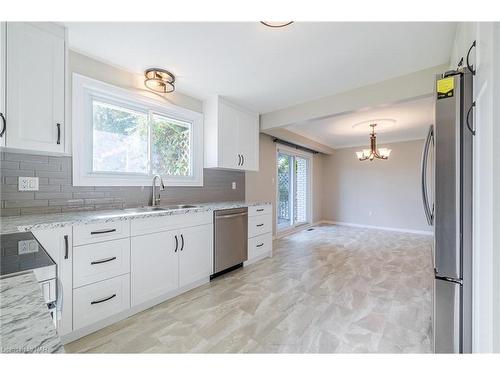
(164, 223)
(258, 225)
(260, 245)
(91, 233)
(100, 300)
(100, 261)
(260, 210)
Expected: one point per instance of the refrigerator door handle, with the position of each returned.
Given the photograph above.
(429, 212)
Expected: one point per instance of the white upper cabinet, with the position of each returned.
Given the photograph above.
(35, 73)
(231, 136)
(2, 84)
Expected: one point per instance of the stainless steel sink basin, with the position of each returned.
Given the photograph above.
(145, 209)
(159, 208)
(179, 206)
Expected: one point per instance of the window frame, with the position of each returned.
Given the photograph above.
(85, 90)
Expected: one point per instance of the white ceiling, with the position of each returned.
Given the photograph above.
(398, 122)
(267, 69)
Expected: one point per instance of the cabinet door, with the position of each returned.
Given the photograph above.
(229, 118)
(248, 142)
(2, 84)
(196, 256)
(35, 87)
(154, 266)
(58, 243)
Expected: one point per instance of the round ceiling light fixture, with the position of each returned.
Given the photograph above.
(276, 24)
(159, 80)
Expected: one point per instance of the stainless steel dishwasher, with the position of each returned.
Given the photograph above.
(230, 239)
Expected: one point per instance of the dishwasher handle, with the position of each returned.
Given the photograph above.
(231, 215)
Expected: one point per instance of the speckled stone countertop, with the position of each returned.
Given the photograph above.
(11, 224)
(25, 323)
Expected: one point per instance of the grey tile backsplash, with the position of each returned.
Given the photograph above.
(56, 193)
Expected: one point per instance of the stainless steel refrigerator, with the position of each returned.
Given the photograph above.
(449, 142)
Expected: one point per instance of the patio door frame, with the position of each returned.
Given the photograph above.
(309, 157)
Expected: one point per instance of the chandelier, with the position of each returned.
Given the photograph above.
(381, 153)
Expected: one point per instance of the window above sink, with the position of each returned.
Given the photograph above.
(122, 138)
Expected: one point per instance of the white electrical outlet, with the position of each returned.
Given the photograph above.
(28, 183)
(233, 186)
(27, 246)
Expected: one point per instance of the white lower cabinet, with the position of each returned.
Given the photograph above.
(165, 261)
(260, 233)
(260, 246)
(100, 261)
(98, 301)
(154, 265)
(196, 257)
(126, 271)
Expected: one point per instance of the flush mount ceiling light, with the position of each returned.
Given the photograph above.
(276, 24)
(159, 80)
(373, 152)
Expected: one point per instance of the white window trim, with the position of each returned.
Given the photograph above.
(84, 89)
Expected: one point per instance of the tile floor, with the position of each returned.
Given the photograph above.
(335, 289)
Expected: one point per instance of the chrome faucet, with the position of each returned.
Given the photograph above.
(156, 200)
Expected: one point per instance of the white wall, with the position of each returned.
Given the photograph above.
(486, 252)
(384, 193)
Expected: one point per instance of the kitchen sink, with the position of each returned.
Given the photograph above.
(145, 209)
(139, 210)
(179, 206)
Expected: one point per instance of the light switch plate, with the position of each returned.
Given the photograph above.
(233, 186)
(28, 183)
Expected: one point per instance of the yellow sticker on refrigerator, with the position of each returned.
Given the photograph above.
(445, 87)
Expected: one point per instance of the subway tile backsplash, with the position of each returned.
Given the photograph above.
(56, 193)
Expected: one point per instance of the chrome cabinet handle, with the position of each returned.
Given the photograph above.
(242, 159)
(4, 125)
(239, 160)
(66, 247)
(103, 300)
(102, 261)
(58, 133)
(429, 213)
(103, 231)
(260, 245)
(176, 244)
(182, 241)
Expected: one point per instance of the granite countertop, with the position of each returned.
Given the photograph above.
(12, 224)
(25, 324)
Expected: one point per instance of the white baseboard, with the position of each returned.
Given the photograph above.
(403, 230)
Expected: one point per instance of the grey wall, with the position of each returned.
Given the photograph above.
(57, 194)
(388, 189)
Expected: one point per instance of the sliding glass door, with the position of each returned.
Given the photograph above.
(293, 189)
